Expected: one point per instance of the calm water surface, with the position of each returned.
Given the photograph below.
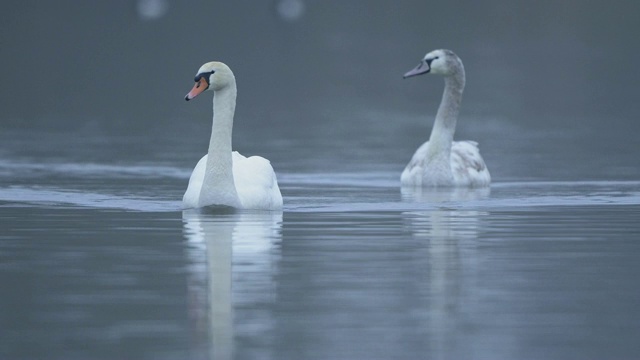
(97, 261)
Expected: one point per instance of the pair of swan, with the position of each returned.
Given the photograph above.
(225, 178)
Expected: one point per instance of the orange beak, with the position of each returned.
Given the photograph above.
(200, 86)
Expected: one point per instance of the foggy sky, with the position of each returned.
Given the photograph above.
(68, 63)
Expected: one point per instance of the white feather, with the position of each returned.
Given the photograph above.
(442, 162)
(224, 177)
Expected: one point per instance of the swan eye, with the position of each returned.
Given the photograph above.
(429, 61)
(204, 75)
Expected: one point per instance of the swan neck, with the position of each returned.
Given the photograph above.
(218, 177)
(224, 104)
(447, 116)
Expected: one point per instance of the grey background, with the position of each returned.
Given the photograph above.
(72, 63)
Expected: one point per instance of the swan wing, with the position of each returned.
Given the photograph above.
(192, 195)
(412, 174)
(256, 183)
(467, 165)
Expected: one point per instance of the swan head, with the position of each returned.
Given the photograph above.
(211, 76)
(441, 62)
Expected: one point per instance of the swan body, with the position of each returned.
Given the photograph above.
(442, 162)
(223, 177)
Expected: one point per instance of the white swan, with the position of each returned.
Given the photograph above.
(442, 162)
(223, 177)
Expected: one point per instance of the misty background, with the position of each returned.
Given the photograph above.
(310, 69)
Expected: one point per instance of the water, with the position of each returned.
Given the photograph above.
(98, 261)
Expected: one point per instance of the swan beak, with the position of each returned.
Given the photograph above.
(200, 86)
(422, 68)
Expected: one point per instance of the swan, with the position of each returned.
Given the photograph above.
(442, 162)
(224, 177)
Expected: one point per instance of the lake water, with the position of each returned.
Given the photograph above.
(97, 261)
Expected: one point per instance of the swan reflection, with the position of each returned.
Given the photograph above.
(448, 234)
(233, 258)
(444, 219)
